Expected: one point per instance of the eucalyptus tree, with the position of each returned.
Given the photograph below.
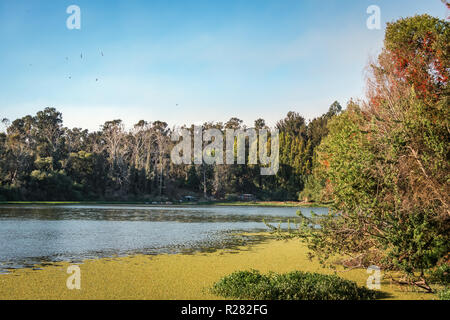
(114, 137)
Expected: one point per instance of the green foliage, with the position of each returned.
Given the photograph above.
(312, 191)
(385, 162)
(192, 180)
(42, 160)
(415, 243)
(444, 294)
(407, 34)
(441, 274)
(370, 221)
(53, 185)
(231, 197)
(290, 286)
(418, 51)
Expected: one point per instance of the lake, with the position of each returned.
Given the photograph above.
(32, 235)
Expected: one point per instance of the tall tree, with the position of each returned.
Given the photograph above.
(386, 161)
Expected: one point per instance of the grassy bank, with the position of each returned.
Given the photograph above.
(272, 204)
(170, 276)
(211, 203)
(62, 203)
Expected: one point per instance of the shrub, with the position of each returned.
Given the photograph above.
(231, 197)
(441, 275)
(296, 285)
(444, 294)
(385, 161)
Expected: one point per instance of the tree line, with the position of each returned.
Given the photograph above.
(40, 159)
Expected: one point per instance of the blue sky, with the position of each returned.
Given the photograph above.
(186, 61)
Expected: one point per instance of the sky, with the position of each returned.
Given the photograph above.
(191, 61)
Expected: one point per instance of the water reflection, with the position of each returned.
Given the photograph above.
(149, 213)
(32, 234)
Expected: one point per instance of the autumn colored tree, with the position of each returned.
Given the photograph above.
(386, 161)
(415, 54)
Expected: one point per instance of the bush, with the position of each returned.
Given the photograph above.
(10, 193)
(441, 275)
(231, 197)
(251, 285)
(388, 175)
(444, 294)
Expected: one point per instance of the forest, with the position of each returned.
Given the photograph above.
(43, 160)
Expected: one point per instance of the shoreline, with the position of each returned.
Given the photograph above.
(292, 204)
(171, 276)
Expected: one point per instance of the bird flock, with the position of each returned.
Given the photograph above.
(81, 57)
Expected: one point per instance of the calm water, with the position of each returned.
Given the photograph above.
(35, 234)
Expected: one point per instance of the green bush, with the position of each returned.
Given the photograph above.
(444, 294)
(231, 197)
(441, 275)
(251, 285)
